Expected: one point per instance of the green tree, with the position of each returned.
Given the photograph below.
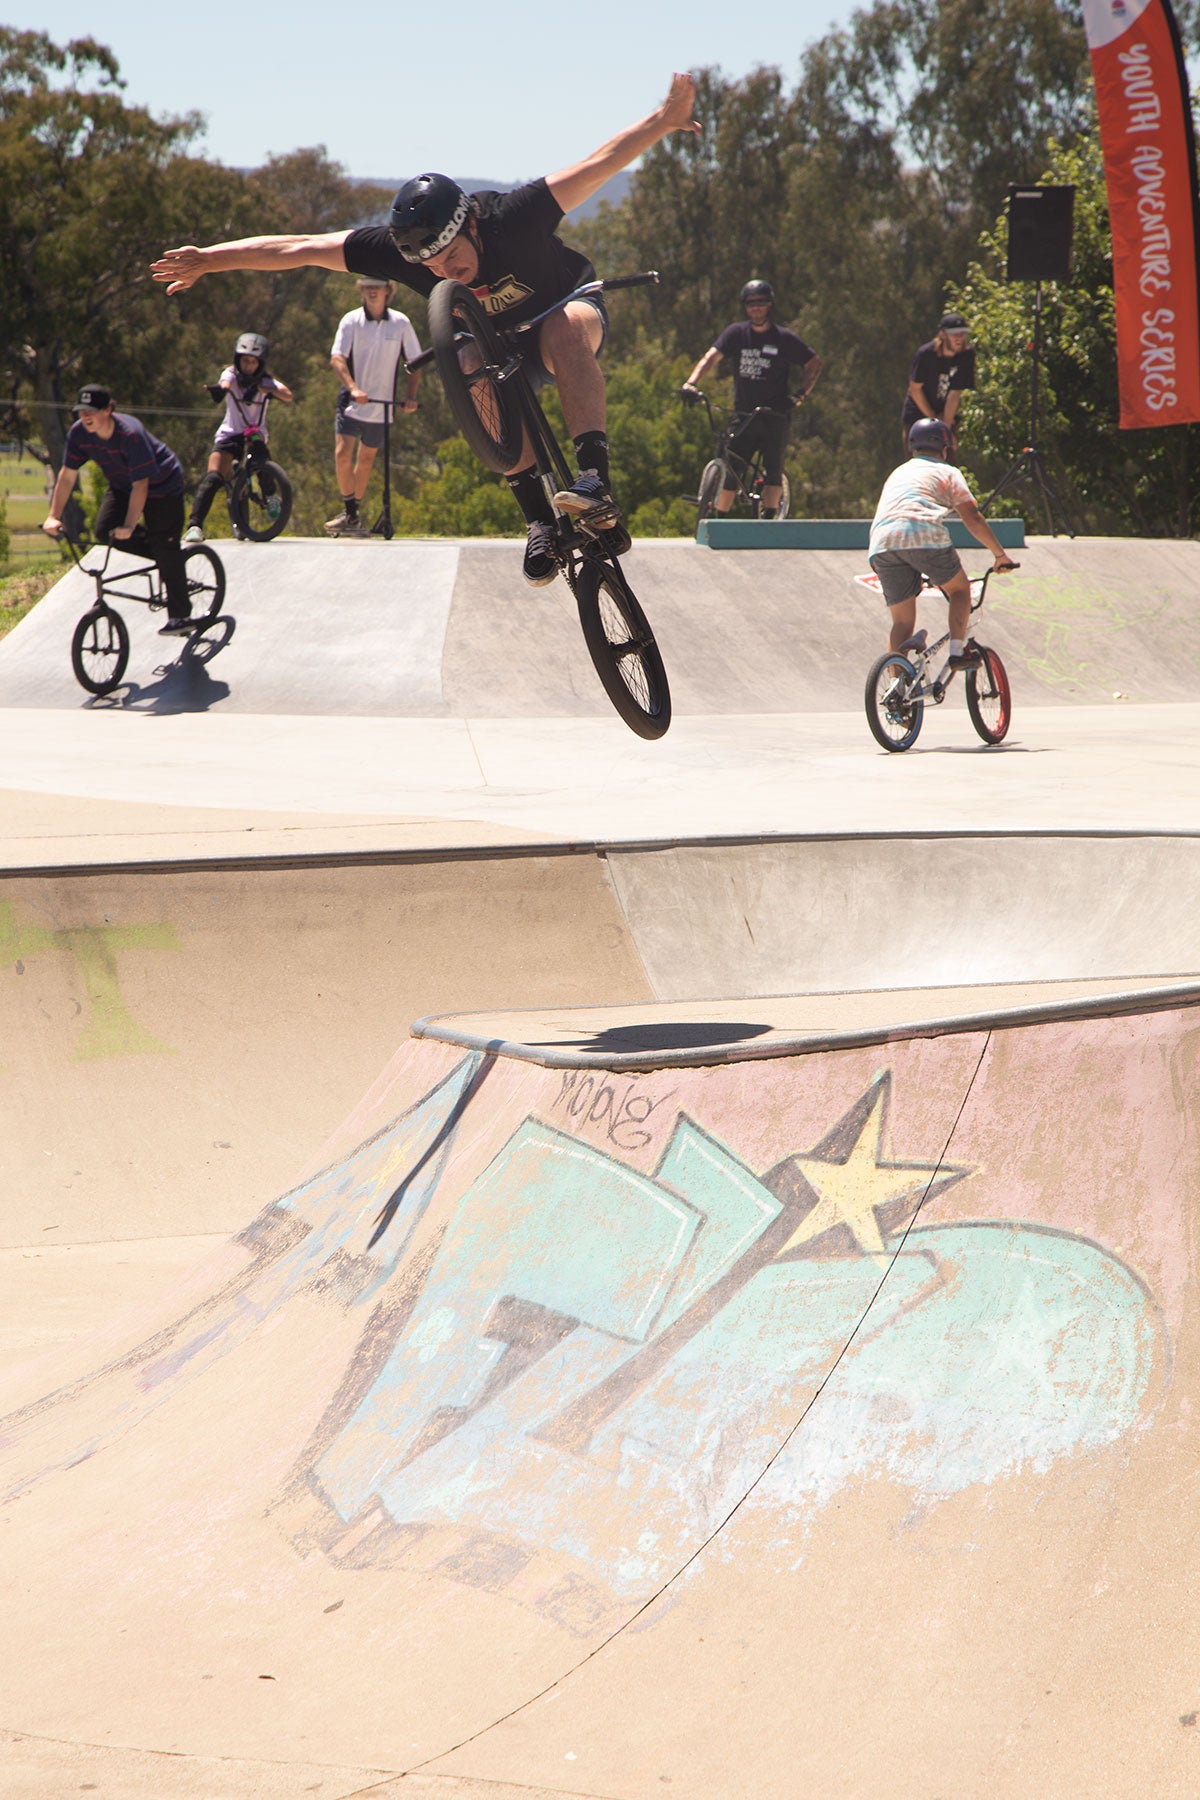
(89, 190)
(1140, 482)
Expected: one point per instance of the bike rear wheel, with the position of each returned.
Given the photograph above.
(785, 499)
(485, 408)
(206, 581)
(260, 501)
(622, 647)
(895, 720)
(711, 483)
(989, 698)
(100, 650)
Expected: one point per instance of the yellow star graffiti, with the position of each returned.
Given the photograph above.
(851, 1192)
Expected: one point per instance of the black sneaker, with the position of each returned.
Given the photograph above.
(588, 494)
(970, 658)
(540, 565)
(178, 627)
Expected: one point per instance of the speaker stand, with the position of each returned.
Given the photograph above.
(1029, 461)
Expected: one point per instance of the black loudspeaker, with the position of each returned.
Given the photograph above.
(1040, 221)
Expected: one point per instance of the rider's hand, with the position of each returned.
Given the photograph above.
(409, 405)
(122, 531)
(358, 396)
(690, 395)
(179, 268)
(215, 392)
(676, 110)
(52, 526)
(1002, 564)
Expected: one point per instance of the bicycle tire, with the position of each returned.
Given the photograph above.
(622, 647)
(486, 411)
(206, 590)
(250, 505)
(785, 499)
(100, 650)
(989, 697)
(895, 722)
(711, 483)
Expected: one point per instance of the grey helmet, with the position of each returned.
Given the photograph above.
(252, 343)
(929, 437)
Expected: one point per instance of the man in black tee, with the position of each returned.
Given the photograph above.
(761, 353)
(941, 370)
(504, 247)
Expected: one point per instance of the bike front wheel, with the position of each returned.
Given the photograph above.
(100, 650)
(711, 483)
(260, 501)
(894, 717)
(205, 580)
(622, 648)
(989, 698)
(469, 357)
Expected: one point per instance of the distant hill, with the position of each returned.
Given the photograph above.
(613, 191)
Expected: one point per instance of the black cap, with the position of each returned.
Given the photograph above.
(952, 322)
(93, 398)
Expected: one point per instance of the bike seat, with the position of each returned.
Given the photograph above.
(917, 642)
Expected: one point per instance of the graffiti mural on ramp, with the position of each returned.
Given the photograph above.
(601, 1363)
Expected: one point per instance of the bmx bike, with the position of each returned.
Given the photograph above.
(747, 472)
(100, 644)
(257, 492)
(494, 403)
(901, 682)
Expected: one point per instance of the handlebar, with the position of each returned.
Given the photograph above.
(648, 278)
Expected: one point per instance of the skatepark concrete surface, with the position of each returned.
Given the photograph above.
(747, 1342)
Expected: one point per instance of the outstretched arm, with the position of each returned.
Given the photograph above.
(571, 187)
(708, 361)
(180, 269)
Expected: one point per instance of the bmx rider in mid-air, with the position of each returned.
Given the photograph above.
(504, 246)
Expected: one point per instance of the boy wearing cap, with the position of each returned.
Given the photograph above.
(941, 370)
(367, 346)
(145, 483)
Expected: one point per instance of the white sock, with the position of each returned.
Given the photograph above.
(956, 646)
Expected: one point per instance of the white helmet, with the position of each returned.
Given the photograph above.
(252, 343)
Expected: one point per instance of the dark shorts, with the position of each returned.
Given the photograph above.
(535, 369)
(230, 443)
(902, 572)
(766, 434)
(368, 432)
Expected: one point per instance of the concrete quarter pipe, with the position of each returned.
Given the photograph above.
(806, 1424)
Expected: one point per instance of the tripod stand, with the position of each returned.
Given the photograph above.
(1029, 461)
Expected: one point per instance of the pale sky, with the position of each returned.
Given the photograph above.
(502, 91)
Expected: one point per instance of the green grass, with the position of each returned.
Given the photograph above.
(26, 511)
(20, 590)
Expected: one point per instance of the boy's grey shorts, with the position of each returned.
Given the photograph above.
(368, 431)
(900, 572)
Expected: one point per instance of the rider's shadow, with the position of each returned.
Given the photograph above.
(185, 685)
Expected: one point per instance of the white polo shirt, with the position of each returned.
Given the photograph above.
(373, 347)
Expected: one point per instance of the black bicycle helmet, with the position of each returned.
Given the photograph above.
(929, 436)
(427, 214)
(252, 343)
(757, 290)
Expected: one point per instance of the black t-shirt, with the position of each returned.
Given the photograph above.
(936, 375)
(761, 360)
(523, 267)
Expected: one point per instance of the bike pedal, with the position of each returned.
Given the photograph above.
(598, 518)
